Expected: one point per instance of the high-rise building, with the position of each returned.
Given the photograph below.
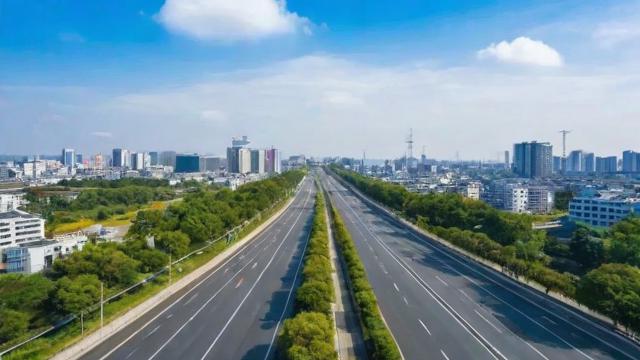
(607, 165)
(589, 163)
(540, 199)
(557, 164)
(120, 158)
(187, 163)
(507, 159)
(210, 163)
(575, 161)
(168, 158)
(68, 157)
(244, 161)
(532, 159)
(154, 158)
(138, 161)
(630, 160)
(238, 156)
(272, 161)
(258, 161)
(98, 161)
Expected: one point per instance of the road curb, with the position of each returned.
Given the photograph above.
(89, 342)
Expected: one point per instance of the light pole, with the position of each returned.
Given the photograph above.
(101, 305)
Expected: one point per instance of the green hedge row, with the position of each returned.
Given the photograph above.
(380, 343)
(310, 334)
(481, 245)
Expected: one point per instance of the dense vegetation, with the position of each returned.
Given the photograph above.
(93, 203)
(380, 343)
(30, 302)
(611, 265)
(309, 334)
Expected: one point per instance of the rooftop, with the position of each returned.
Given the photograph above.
(16, 214)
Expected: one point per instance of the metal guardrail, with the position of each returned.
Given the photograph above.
(229, 235)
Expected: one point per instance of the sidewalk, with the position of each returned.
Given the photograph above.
(349, 339)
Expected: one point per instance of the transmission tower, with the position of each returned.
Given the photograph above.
(409, 150)
(563, 161)
(564, 142)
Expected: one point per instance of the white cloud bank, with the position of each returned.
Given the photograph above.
(326, 105)
(522, 50)
(230, 20)
(614, 33)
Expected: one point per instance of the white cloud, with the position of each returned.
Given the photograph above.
(214, 117)
(522, 50)
(614, 33)
(230, 20)
(326, 105)
(102, 134)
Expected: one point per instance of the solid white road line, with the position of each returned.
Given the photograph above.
(284, 310)
(264, 270)
(527, 300)
(227, 261)
(444, 355)
(424, 327)
(198, 311)
(487, 320)
(429, 290)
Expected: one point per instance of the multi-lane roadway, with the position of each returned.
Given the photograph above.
(441, 305)
(232, 312)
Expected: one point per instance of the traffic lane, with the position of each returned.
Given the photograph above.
(254, 331)
(202, 336)
(164, 314)
(508, 330)
(420, 325)
(588, 338)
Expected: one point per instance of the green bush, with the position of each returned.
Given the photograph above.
(381, 345)
(309, 335)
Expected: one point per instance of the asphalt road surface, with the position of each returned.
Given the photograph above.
(441, 305)
(235, 310)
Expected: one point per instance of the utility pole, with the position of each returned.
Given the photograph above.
(101, 305)
(170, 268)
(82, 323)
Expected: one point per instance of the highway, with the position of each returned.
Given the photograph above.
(441, 305)
(235, 310)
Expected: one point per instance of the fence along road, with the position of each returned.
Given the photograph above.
(440, 305)
(233, 312)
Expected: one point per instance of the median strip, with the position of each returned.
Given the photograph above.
(380, 342)
(310, 333)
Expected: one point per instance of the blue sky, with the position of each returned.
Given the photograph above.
(320, 77)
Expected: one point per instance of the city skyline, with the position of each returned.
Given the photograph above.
(471, 78)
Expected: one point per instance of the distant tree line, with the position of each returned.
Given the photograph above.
(610, 285)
